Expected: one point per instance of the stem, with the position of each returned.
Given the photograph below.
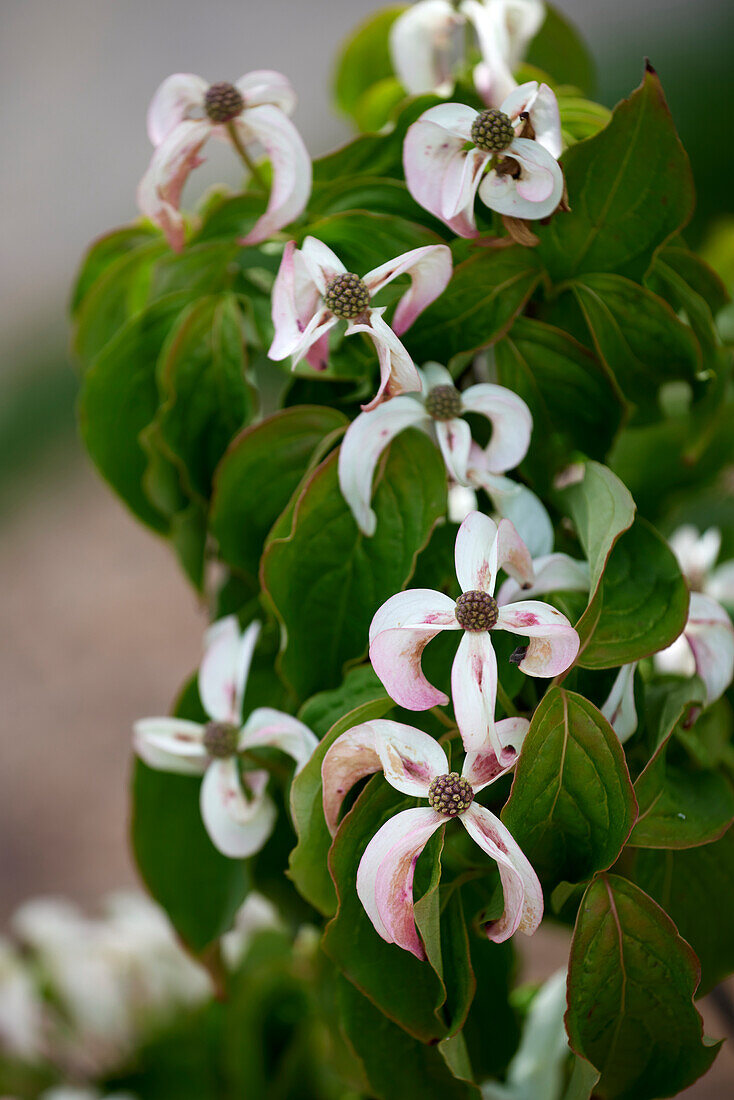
(507, 704)
(245, 157)
(442, 718)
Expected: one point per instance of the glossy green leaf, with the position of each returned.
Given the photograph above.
(572, 805)
(119, 399)
(396, 1065)
(364, 58)
(630, 189)
(574, 402)
(103, 252)
(601, 508)
(480, 303)
(695, 886)
(359, 699)
(406, 989)
(205, 398)
(630, 988)
(637, 335)
(558, 49)
(326, 580)
(257, 476)
(378, 103)
(643, 601)
(377, 195)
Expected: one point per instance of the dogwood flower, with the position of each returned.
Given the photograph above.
(415, 764)
(511, 163)
(314, 291)
(697, 555)
(237, 813)
(251, 113)
(428, 44)
(439, 410)
(403, 626)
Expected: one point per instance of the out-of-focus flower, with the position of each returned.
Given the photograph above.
(251, 114)
(428, 44)
(697, 554)
(619, 708)
(416, 765)
(507, 156)
(237, 812)
(21, 1007)
(314, 291)
(439, 409)
(404, 625)
(705, 647)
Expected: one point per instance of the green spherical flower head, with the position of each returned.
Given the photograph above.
(476, 611)
(492, 131)
(450, 794)
(347, 296)
(223, 102)
(443, 403)
(220, 739)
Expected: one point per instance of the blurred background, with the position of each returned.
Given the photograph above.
(97, 626)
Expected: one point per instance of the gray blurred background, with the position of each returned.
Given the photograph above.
(97, 626)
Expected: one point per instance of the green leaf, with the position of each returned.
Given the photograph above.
(407, 990)
(601, 508)
(491, 1050)
(359, 699)
(257, 476)
(665, 281)
(558, 49)
(364, 240)
(572, 805)
(480, 303)
(396, 1065)
(695, 886)
(630, 189)
(103, 252)
(378, 103)
(643, 601)
(364, 58)
(326, 580)
(201, 377)
(574, 402)
(637, 335)
(119, 398)
(580, 118)
(369, 193)
(630, 987)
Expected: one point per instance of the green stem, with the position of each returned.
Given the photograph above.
(245, 157)
(507, 704)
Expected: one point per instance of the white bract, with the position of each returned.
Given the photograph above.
(439, 409)
(403, 626)
(447, 161)
(252, 113)
(314, 291)
(430, 42)
(237, 812)
(415, 764)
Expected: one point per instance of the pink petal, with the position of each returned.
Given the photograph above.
(553, 573)
(173, 102)
(515, 502)
(159, 191)
(430, 270)
(541, 104)
(366, 438)
(619, 708)
(433, 149)
(224, 668)
(295, 301)
(512, 554)
(523, 893)
(409, 758)
(398, 373)
(267, 86)
(314, 343)
(385, 875)
(237, 825)
(291, 165)
(553, 644)
(269, 727)
(493, 76)
(720, 585)
(476, 553)
(536, 193)
(511, 421)
(484, 766)
(426, 43)
(171, 745)
(399, 632)
(710, 634)
(474, 693)
(323, 265)
(454, 439)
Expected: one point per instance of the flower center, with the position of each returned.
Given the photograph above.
(492, 130)
(450, 794)
(220, 739)
(443, 403)
(347, 296)
(476, 611)
(223, 102)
